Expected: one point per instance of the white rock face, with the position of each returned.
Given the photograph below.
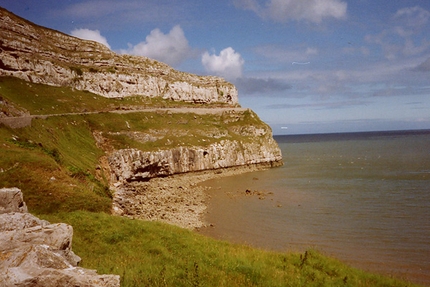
(35, 253)
(42, 55)
(133, 165)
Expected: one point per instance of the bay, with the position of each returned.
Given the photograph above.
(362, 197)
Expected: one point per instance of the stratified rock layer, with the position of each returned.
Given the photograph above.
(35, 253)
(134, 165)
(42, 55)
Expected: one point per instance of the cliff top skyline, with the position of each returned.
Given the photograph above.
(303, 66)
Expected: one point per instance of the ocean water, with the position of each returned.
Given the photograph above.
(363, 198)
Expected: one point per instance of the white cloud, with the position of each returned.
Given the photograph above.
(286, 10)
(171, 48)
(93, 35)
(228, 64)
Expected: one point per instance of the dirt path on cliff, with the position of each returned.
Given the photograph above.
(199, 111)
(23, 121)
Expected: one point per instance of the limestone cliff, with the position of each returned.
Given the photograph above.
(42, 55)
(133, 164)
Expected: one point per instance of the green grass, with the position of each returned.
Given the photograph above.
(180, 129)
(54, 163)
(41, 99)
(157, 254)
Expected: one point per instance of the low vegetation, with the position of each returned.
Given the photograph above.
(59, 165)
(55, 164)
(40, 99)
(156, 254)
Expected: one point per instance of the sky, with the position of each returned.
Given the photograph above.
(304, 66)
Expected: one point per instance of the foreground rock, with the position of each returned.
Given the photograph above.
(34, 252)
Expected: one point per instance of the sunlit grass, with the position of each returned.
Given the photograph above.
(157, 254)
(39, 99)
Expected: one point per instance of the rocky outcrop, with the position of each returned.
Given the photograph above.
(11, 201)
(42, 55)
(225, 139)
(35, 253)
(135, 165)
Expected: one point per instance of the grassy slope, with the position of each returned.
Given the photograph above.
(54, 162)
(156, 254)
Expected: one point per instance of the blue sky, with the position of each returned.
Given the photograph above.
(305, 66)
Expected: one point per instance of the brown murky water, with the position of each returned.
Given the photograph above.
(364, 199)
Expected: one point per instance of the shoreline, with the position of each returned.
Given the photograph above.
(177, 199)
(183, 201)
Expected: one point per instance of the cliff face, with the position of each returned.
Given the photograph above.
(133, 164)
(189, 143)
(42, 55)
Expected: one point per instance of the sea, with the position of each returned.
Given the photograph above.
(363, 198)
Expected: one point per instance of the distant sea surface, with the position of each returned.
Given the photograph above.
(363, 198)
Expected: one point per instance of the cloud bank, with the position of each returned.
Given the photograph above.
(92, 35)
(287, 10)
(171, 48)
(227, 64)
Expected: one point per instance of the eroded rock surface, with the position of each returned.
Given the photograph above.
(224, 140)
(34, 252)
(12, 201)
(135, 165)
